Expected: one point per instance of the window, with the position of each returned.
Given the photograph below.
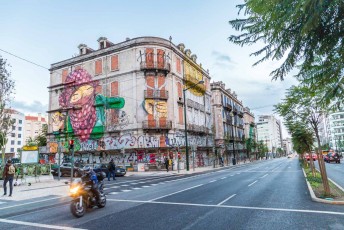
(114, 62)
(99, 67)
(19, 135)
(13, 134)
(19, 128)
(12, 142)
(19, 142)
(14, 120)
(12, 150)
(13, 127)
(20, 121)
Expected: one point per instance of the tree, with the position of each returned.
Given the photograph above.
(6, 90)
(41, 139)
(302, 105)
(305, 34)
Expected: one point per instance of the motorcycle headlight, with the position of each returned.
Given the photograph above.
(74, 190)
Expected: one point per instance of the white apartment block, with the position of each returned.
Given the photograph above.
(336, 131)
(33, 126)
(270, 132)
(15, 139)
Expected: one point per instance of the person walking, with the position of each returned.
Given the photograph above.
(8, 175)
(112, 169)
(166, 163)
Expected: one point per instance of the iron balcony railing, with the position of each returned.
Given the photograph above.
(156, 94)
(163, 66)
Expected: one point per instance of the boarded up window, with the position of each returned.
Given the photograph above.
(99, 89)
(99, 67)
(178, 65)
(161, 82)
(114, 62)
(180, 112)
(114, 88)
(161, 58)
(149, 57)
(162, 122)
(179, 85)
(64, 75)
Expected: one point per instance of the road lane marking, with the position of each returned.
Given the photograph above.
(113, 193)
(33, 202)
(212, 181)
(238, 173)
(230, 206)
(176, 192)
(115, 187)
(227, 199)
(145, 186)
(125, 190)
(124, 185)
(264, 176)
(133, 183)
(137, 188)
(252, 183)
(36, 224)
(154, 184)
(233, 175)
(223, 178)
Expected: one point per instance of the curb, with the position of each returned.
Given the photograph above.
(316, 199)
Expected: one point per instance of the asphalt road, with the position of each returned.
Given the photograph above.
(334, 171)
(264, 195)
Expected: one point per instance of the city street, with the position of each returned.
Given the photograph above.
(334, 171)
(269, 194)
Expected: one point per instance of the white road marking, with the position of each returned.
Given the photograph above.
(113, 193)
(126, 190)
(212, 181)
(238, 173)
(17, 205)
(36, 224)
(124, 185)
(176, 192)
(137, 188)
(252, 183)
(232, 175)
(2, 202)
(264, 176)
(115, 187)
(227, 199)
(230, 206)
(154, 184)
(133, 183)
(145, 186)
(223, 178)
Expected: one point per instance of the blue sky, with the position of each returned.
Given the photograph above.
(46, 32)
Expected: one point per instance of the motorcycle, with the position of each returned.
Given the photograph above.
(83, 197)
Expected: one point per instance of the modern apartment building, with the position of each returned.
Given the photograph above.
(287, 146)
(126, 101)
(15, 139)
(33, 126)
(270, 132)
(228, 113)
(336, 131)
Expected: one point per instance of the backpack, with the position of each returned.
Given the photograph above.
(11, 170)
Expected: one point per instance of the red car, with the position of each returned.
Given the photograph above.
(332, 157)
(314, 156)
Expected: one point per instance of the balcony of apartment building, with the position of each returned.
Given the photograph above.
(228, 106)
(156, 94)
(198, 128)
(235, 110)
(155, 66)
(161, 124)
(241, 126)
(240, 113)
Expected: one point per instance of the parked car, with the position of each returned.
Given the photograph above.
(65, 170)
(330, 157)
(103, 168)
(314, 156)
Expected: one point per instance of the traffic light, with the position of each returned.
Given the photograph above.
(71, 144)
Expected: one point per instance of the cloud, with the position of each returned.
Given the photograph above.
(222, 60)
(34, 108)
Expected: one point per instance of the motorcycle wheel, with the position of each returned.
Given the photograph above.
(76, 210)
(102, 202)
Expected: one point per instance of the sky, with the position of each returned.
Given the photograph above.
(46, 32)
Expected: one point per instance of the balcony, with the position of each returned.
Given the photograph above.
(157, 124)
(198, 128)
(156, 94)
(155, 66)
(228, 106)
(235, 111)
(240, 113)
(241, 126)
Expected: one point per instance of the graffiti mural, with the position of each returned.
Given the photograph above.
(192, 77)
(86, 109)
(158, 109)
(57, 121)
(117, 119)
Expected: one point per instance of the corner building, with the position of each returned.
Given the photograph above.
(125, 101)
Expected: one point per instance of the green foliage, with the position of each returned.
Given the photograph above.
(41, 139)
(305, 34)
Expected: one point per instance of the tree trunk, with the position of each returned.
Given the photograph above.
(311, 163)
(322, 167)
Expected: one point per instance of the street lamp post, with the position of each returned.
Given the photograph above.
(231, 114)
(185, 125)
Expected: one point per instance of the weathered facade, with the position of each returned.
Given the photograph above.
(228, 115)
(250, 133)
(125, 101)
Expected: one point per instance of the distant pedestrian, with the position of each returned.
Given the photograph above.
(166, 163)
(112, 169)
(8, 175)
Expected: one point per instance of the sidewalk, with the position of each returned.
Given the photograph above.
(61, 189)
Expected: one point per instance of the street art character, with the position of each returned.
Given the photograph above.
(86, 109)
(156, 108)
(57, 121)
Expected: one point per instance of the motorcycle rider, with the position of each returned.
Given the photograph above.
(91, 178)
